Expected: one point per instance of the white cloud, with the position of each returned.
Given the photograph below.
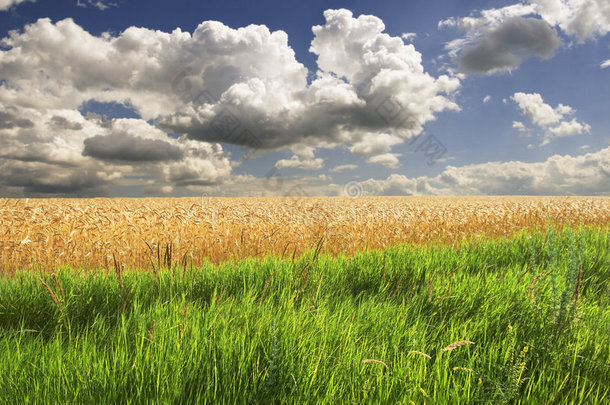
(303, 158)
(387, 159)
(409, 36)
(518, 125)
(294, 186)
(101, 5)
(194, 170)
(497, 16)
(145, 66)
(342, 168)
(534, 107)
(378, 66)
(6, 4)
(568, 128)
(487, 18)
(486, 99)
(552, 120)
(584, 19)
(605, 64)
(375, 144)
(587, 174)
(219, 85)
(250, 74)
(301, 163)
(395, 184)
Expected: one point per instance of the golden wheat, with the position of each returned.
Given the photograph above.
(152, 233)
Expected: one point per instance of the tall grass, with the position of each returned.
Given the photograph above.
(524, 320)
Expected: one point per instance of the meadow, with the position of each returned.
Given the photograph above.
(517, 312)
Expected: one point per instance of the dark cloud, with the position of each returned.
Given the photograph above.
(9, 120)
(36, 153)
(62, 123)
(505, 46)
(38, 180)
(56, 158)
(185, 177)
(128, 148)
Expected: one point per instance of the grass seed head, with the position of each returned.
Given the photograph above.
(457, 344)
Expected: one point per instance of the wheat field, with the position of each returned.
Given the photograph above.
(152, 233)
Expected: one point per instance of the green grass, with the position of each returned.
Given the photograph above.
(273, 331)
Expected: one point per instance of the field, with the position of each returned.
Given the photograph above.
(146, 233)
(373, 300)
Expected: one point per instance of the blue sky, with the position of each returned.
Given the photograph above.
(134, 98)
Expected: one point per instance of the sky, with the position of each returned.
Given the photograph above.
(131, 98)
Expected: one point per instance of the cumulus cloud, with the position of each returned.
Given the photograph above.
(587, 174)
(519, 126)
(303, 158)
(302, 163)
(493, 43)
(490, 17)
(409, 36)
(568, 128)
(26, 178)
(60, 152)
(534, 107)
(129, 148)
(505, 46)
(9, 118)
(387, 159)
(220, 84)
(342, 168)
(146, 67)
(6, 4)
(376, 64)
(397, 184)
(59, 122)
(375, 144)
(584, 19)
(552, 120)
(194, 171)
(216, 85)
